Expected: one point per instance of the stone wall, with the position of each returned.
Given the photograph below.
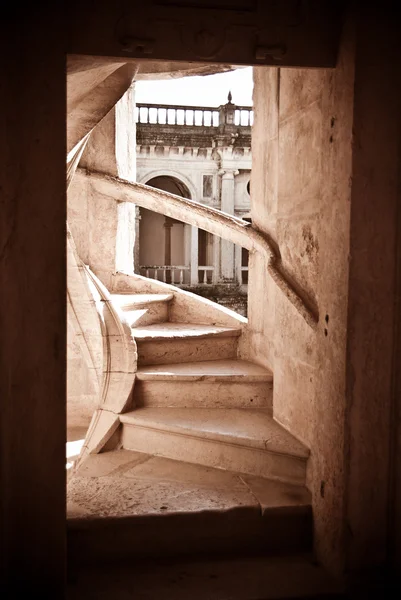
(301, 198)
(325, 187)
(103, 229)
(373, 435)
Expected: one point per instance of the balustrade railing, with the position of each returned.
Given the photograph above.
(205, 274)
(243, 116)
(198, 116)
(159, 272)
(177, 273)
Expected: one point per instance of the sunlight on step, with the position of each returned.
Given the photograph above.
(135, 315)
(72, 451)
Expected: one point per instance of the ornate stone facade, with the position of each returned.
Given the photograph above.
(204, 154)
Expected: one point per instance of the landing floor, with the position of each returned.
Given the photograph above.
(123, 483)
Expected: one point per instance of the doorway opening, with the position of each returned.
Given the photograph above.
(187, 365)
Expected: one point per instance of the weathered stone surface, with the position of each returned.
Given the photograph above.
(276, 494)
(307, 214)
(248, 441)
(137, 505)
(213, 370)
(299, 160)
(207, 384)
(146, 484)
(178, 349)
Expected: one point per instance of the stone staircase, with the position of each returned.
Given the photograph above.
(198, 465)
(193, 397)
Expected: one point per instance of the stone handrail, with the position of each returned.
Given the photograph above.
(214, 221)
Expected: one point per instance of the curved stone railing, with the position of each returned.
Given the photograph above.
(214, 221)
(119, 349)
(84, 343)
(93, 304)
(111, 347)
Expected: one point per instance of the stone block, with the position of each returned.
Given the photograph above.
(299, 88)
(299, 162)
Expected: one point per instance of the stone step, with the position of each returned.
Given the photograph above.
(125, 505)
(144, 309)
(205, 384)
(288, 577)
(184, 342)
(242, 440)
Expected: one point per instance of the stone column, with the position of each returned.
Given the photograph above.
(194, 256)
(136, 239)
(168, 224)
(125, 152)
(125, 237)
(187, 251)
(216, 259)
(111, 149)
(227, 206)
(238, 263)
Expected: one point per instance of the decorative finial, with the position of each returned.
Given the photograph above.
(229, 97)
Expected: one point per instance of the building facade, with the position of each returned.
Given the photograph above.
(203, 154)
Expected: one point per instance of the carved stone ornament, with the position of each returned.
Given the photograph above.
(205, 40)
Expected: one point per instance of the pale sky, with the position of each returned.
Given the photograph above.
(210, 90)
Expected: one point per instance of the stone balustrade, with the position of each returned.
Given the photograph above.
(205, 273)
(195, 116)
(177, 273)
(159, 272)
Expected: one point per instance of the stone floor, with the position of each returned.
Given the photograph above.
(123, 483)
(117, 486)
(257, 578)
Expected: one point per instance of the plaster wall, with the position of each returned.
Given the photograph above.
(301, 197)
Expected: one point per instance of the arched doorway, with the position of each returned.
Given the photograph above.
(162, 248)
